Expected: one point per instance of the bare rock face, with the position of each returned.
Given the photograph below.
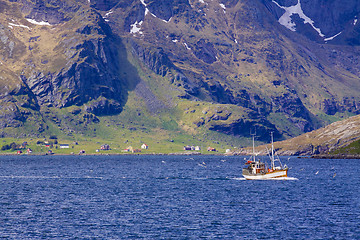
(159, 62)
(103, 106)
(104, 5)
(82, 81)
(17, 107)
(165, 10)
(92, 70)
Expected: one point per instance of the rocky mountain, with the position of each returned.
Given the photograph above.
(192, 66)
(324, 141)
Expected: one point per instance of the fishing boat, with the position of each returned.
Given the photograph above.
(258, 170)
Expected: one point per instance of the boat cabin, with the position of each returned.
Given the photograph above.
(256, 167)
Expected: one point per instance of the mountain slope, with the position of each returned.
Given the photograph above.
(200, 68)
(324, 140)
(232, 53)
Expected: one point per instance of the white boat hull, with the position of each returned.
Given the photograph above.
(269, 175)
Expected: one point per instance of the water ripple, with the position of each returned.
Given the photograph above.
(126, 197)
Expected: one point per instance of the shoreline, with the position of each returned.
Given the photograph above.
(318, 156)
(336, 156)
(113, 154)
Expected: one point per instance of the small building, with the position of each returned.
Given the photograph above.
(197, 148)
(81, 152)
(28, 150)
(228, 151)
(19, 152)
(128, 149)
(211, 149)
(144, 146)
(136, 151)
(64, 146)
(105, 147)
(187, 148)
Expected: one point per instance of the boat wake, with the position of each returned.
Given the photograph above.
(272, 179)
(49, 177)
(285, 178)
(239, 179)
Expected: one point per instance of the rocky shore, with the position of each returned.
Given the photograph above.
(336, 156)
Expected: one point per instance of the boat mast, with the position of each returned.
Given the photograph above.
(253, 138)
(272, 151)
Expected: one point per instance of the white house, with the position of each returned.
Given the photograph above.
(144, 146)
(64, 146)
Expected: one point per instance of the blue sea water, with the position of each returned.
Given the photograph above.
(175, 197)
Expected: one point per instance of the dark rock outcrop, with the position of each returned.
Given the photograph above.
(205, 51)
(167, 9)
(293, 107)
(92, 72)
(158, 61)
(241, 127)
(53, 12)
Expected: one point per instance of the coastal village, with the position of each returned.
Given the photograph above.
(53, 146)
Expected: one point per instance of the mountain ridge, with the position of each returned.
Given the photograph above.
(85, 59)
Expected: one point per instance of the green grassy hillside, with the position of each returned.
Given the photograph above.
(351, 149)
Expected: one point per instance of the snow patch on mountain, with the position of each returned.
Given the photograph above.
(38, 23)
(143, 2)
(166, 21)
(11, 25)
(187, 47)
(107, 15)
(286, 20)
(223, 7)
(331, 38)
(136, 27)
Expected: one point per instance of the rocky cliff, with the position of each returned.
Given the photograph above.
(59, 55)
(287, 66)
